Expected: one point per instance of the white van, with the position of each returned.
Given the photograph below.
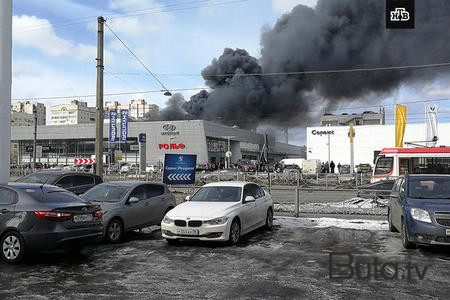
(311, 166)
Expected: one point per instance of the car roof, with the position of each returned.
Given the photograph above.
(61, 173)
(426, 175)
(131, 182)
(228, 183)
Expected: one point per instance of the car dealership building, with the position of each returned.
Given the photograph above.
(368, 141)
(208, 140)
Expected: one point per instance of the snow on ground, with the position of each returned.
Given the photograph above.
(351, 206)
(290, 222)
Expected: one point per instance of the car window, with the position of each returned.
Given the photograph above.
(249, 191)
(153, 190)
(66, 182)
(258, 191)
(83, 180)
(7, 196)
(139, 192)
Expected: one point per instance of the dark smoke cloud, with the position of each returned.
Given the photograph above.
(337, 34)
(173, 110)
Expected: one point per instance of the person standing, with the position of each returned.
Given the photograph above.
(332, 166)
(339, 168)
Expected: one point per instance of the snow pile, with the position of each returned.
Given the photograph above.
(289, 222)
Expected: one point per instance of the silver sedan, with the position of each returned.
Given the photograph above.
(130, 205)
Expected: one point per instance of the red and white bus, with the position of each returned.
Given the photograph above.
(392, 162)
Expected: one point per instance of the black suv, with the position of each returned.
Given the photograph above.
(75, 182)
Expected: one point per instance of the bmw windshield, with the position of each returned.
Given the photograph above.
(39, 178)
(106, 193)
(218, 194)
(429, 187)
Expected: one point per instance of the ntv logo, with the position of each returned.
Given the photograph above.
(399, 14)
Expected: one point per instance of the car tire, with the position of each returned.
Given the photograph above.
(391, 226)
(13, 247)
(405, 240)
(114, 231)
(269, 219)
(235, 233)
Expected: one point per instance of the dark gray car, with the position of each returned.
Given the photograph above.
(129, 205)
(76, 182)
(36, 217)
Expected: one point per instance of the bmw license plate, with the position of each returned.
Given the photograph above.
(447, 231)
(82, 218)
(187, 231)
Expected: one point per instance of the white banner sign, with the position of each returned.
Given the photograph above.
(431, 120)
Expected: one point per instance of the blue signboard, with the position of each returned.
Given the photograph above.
(45, 149)
(123, 125)
(142, 138)
(179, 168)
(113, 125)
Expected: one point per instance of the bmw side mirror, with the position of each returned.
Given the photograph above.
(249, 199)
(133, 200)
(187, 198)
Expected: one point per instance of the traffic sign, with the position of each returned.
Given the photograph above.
(179, 168)
(38, 151)
(228, 154)
(83, 161)
(118, 155)
(134, 147)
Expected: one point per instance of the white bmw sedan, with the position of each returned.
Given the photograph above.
(221, 211)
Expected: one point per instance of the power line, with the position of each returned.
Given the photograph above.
(391, 68)
(117, 77)
(107, 94)
(140, 61)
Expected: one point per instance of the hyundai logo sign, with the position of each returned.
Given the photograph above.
(169, 127)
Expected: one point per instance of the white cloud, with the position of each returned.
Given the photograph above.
(46, 41)
(285, 6)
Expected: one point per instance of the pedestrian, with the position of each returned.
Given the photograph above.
(332, 166)
(339, 168)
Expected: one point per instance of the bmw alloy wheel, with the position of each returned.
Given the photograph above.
(235, 232)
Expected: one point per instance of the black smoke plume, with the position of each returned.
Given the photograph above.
(337, 34)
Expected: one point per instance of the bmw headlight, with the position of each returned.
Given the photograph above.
(167, 220)
(420, 215)
(216, 221)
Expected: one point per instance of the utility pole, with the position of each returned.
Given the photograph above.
(34, 137)
(5, 87)
(99, 99)
(351, 135)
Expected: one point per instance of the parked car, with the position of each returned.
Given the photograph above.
(129, 168)
(151, 169)
(247, 165)
(37, 217)
(130, 205)
(363, 168)
(345, 169)
(380, 189)
(221, 211)
(419, 208)
(76, 182)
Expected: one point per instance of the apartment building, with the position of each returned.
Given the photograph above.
(73, 113)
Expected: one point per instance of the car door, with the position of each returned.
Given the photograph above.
(261, 204)
(396, 203)
(135, 213)
(8, 199)
(82, 183)
(249, 214)
(155, 203)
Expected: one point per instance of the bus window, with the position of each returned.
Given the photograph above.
(384, 165)
(404, 166)
(431, 165)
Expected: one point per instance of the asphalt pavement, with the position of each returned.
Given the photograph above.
(288, 262)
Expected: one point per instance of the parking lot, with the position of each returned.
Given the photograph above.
(291, 261)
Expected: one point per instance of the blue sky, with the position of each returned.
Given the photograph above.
(54, 48)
